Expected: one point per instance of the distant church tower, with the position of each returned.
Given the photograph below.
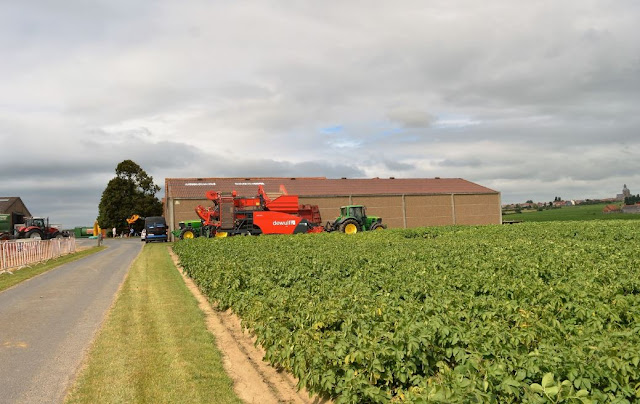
(625, 193)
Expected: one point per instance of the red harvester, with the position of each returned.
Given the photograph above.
(236, 215)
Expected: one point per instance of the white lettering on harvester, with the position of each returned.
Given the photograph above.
(284, 222)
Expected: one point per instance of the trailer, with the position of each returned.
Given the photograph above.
(7, 223)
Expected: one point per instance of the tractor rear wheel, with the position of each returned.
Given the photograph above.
(35, 234)
(350, 226)
(188, 233)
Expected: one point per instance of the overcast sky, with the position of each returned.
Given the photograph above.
(534, 99)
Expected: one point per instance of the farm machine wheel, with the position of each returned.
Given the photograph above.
(378, 226)
(187, 233)
(350, 226)
(35, 235)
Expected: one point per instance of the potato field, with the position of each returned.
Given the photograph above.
(535, 312)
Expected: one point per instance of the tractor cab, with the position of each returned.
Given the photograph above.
(353, 219)
(357, 212)
(35, 222)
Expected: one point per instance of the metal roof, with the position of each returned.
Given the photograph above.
(321, 186)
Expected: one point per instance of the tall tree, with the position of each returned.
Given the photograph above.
(130, 192)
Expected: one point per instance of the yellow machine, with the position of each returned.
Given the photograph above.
(133, 219)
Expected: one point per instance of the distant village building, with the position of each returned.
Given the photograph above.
(625, 193)
(631, 209)
(611, 209)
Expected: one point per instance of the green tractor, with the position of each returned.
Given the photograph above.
(188, 229)
(354, 219)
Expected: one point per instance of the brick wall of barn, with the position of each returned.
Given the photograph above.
(397, 211)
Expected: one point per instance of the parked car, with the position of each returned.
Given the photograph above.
(156, 229)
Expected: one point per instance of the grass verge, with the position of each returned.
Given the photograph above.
(154, 346)
(9, 280)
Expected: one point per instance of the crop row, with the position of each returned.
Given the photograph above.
(533, 312)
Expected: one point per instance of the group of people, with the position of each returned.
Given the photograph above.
(132, 233)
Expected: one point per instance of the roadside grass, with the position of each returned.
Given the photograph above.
(9, 280)
(567, 213)
(154, 346)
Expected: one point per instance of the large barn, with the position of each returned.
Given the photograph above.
(13, 205)
(401, 202)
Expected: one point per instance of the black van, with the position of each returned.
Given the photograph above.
(156, 229)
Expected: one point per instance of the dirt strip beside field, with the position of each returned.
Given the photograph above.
(255, 381)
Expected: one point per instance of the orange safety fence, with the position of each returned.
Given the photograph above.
(18, 253)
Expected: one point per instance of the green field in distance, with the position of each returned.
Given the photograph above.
(566, 213)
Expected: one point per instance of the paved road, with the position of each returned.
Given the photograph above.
(48, 322)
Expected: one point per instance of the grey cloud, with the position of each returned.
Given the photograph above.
(271, 168)
(543, 164)
(69, 205)
(471, 162)
(411, 118)
(69, 191)
(398, 166)
(94, 157)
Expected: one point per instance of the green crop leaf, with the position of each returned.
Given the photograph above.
(582, 393)
(511, 382)
(547, 380)
(552, 391)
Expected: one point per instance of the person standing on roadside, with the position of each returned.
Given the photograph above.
(114, 232)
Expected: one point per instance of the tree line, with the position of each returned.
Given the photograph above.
(632, 200)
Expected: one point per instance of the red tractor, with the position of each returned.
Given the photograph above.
(37, 228)
(235, 215)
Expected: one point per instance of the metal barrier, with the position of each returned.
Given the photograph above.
(18, 253)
